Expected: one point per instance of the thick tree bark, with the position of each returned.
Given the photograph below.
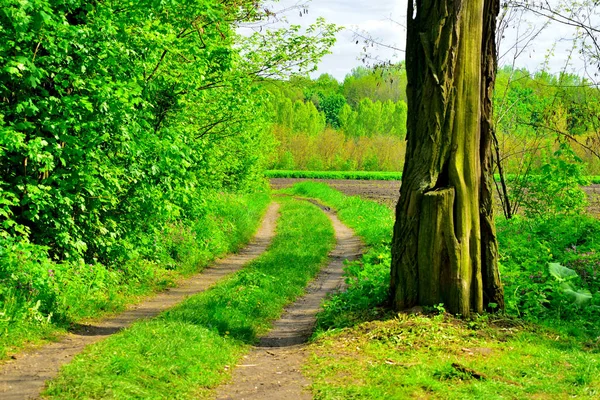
(444, 248)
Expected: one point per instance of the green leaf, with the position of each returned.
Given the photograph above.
(580, 296)
(560, 272)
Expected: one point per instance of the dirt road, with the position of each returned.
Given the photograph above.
(24, 377)
(273, 369)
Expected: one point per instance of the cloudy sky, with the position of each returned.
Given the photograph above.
(383, 20)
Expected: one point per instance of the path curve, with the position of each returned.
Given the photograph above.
(24, 377)
(273, 369)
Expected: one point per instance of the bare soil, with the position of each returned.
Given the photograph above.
(388, 192)
(273, 369)
(25, 375)
(384, 192)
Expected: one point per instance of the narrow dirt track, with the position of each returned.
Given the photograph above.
(273, 369)
(24, 377)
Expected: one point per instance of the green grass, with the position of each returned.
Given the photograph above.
(439, 357)
(39, 299)
(368, 278)
(364, 175)
(190, 349)
(372, 221)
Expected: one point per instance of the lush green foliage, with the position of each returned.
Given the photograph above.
(119, 125)
(553, 188)
(529, 246)
(533, 110)
(190, 349)
(38, 295)
(101, 141)
(322, 124)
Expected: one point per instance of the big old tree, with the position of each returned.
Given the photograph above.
(444, 248)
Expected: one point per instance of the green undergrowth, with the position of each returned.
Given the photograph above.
(41, 298)
(367, 278)
(528, 248)
(191, 348)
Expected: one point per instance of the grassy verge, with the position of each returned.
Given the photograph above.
(40, 298)
(363, 351)
(440, 357)
(190, 349)
(365, 175)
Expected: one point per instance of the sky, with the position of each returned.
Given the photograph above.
(383, 20)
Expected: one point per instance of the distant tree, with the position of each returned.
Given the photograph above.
(331, 106)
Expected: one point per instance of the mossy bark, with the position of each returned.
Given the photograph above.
(444, 248)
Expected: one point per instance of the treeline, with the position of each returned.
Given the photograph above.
(352, 119)
(533, 112)
(120, 123)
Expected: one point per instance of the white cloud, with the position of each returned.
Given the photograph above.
(383, 20)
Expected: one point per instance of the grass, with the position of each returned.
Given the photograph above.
(368, 278)
(362, 350)
(373, 222)
(440, 357)
(39, 299)
(365, 175)
(189, 350)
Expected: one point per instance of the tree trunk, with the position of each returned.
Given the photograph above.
(444, 248)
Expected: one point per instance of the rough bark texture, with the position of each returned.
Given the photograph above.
(444, 248)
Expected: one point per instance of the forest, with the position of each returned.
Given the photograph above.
(155, 217)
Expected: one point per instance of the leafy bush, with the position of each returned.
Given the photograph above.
(534, 290)
(553, 188)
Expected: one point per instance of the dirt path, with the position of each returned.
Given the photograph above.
(24, 377)
(273, 369)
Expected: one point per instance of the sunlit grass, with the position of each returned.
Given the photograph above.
(440, 357)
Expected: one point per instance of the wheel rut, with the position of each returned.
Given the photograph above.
(24, 376)
(272, 370)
